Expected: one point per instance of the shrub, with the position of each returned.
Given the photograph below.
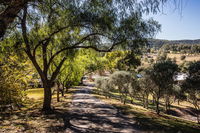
(102, 84)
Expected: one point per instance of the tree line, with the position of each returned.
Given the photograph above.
(157, 82)
(182, 48)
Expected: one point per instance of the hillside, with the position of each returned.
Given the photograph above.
(160, 42)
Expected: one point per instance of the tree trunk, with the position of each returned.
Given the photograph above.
(143, 99)
(166, 103)
(178, 101)
(63, 90)
(147, 101)
(47, 98)
(157, 106)
(58, 91)
(153, 100)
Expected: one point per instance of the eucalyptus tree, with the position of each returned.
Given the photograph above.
(192, 86)
(55, 28)
(162, 74)
(147, 87)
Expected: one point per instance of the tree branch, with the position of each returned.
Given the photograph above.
(74, 46)
(47, 39)
(56, 72)
(9, 14)
(84, 47)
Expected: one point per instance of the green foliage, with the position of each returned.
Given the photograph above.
(163, 73)
(182, 48)
(192, 85)
(13, 80)
(102, 84)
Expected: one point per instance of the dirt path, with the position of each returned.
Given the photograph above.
(89, 114)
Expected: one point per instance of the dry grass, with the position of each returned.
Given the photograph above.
(149, 119)
(31, 119)
(189, 58)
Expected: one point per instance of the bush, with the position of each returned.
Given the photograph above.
(13, 82)
(102, 84)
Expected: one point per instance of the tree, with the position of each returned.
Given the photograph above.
(103, 84)
(56, 28)
(192, 85)
(10, 9)
(147, 85)
(133, 88)
(121, 81)
(129, 62)
(162, 74)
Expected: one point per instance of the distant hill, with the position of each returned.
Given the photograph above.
(160, 42)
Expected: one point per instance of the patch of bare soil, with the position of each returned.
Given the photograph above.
(185, 113)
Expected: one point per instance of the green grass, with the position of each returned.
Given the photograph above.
(36, 93)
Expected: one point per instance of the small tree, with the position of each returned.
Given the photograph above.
(102, 84)
(98, 83)
(133, 88)
(162, 74)
(146, 87)
(121, 81)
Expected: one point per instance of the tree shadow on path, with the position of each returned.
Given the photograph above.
(88, 114)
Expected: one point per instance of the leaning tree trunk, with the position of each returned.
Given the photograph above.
(10, 13)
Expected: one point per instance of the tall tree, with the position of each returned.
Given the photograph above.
(55, 28)
(192, 86)
(162, 74)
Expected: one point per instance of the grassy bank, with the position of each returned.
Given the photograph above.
(149, 120)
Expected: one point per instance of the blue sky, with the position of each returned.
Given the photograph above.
(176, 24)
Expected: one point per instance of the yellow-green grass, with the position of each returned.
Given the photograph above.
(36, 93)
(30, 118)
(150, 120)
